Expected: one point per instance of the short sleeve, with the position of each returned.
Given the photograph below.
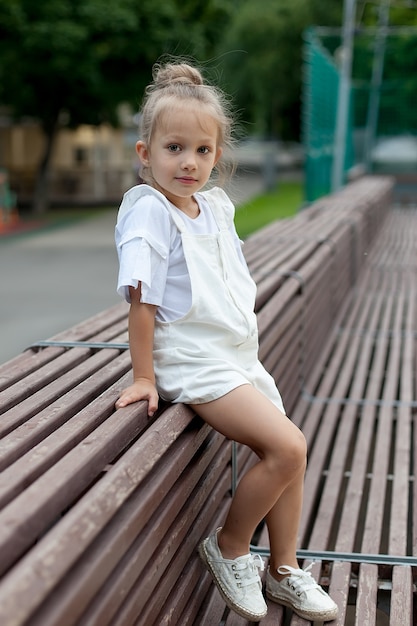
(142, 241)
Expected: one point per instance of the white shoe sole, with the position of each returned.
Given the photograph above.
(323, 616)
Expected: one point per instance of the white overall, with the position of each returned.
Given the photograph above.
(214, 347)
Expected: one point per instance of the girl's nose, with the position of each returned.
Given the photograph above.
(188, 161)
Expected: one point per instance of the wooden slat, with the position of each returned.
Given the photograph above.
(398, 529)
(146, 526)
(390, 339)
(363, 422)
(54, 553)
(55, 377)
(41, 414)
(150, 613)
(205, 603)
(43, 457)
(401, 609)
(102, 372)
(107, 570)
(339, 588)
(367, 596)
(346, 416)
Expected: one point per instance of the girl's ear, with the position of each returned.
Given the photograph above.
(218, 155)
(142, 152)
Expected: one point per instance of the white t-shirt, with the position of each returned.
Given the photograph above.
(150, 251)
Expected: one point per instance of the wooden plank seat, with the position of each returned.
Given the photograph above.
(357, 410)
(101, 511)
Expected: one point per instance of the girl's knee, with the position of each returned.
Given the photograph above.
(289, 456)
(296, 451)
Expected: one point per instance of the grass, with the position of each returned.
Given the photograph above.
(284, 201)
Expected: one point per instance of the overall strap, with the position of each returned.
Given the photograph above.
(177, 219)
(221, 207)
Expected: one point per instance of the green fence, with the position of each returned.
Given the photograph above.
(378, 111)
(319, 107)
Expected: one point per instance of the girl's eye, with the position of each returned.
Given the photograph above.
(174, 147)
(204, 150)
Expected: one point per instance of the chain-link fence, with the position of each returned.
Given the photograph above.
(381, 131)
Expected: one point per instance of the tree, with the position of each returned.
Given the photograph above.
(397, 92)
(263, 60)
(79, 59)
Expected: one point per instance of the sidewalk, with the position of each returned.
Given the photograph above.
(54, 278)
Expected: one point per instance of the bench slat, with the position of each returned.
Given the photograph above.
(120, 556)
(401, 609)
(367, 596)
(62, 408)
(346, 417)
(74, 532)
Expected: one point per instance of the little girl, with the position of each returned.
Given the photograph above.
(193, 336)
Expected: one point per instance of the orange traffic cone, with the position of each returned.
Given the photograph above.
(3, 224)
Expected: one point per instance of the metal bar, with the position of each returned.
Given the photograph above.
(351, 557)
(344, 92)
(376, 81)
(96, 345)
(326, 555)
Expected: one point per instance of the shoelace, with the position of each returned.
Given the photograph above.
(253, 563)
(299, 579)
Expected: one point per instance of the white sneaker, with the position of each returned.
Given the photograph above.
(237, 580)
(301, 593)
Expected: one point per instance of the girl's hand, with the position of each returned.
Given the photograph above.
(142, 389)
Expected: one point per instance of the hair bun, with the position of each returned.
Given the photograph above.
(176, 73)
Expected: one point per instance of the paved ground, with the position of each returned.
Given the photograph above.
(53, 279)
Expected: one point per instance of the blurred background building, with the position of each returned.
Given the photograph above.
(90, 164)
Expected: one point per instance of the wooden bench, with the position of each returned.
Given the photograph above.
(101, 510)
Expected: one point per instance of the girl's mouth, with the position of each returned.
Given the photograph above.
(186, 180)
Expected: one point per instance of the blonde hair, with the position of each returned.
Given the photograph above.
(181, 82)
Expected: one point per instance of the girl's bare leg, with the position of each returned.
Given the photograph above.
(283, 522)
(273, 488)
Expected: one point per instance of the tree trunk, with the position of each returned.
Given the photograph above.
(40, 202)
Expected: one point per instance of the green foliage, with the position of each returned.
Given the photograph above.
(84, 57)
(400, 13)
(284, 201)
(263, 61)
(52, 53)
(398, 91)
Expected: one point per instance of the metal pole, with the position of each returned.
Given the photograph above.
(376, 82)
(343, 98)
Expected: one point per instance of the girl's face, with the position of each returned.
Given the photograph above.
(182, 153)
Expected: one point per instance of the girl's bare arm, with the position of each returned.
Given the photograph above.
(141, 332)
